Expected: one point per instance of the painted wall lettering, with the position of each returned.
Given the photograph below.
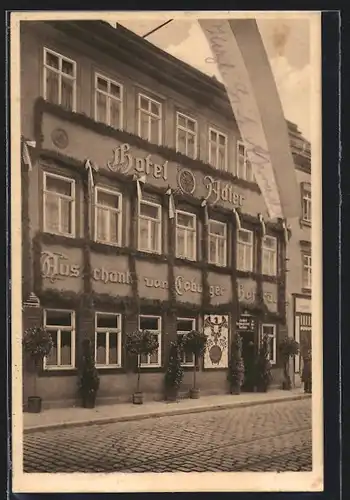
(250, 295)
(182, 286)
(56, 266)
(222, 191)
(121, 277)
(123, 161)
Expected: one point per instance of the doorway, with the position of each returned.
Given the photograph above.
(248, 354)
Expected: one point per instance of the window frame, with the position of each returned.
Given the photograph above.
(46, 68)
(180, 332)
(269, 251)
(308, 255)
(216, 262)
(251, 245)
(238, 154)
(194, 217)
(71, 329)
(160, 222)
(72, 199)
(273, 361)
(109, 98)
(159, 333)
(116, 330)
(187, 131)
(120, 214)
(140, 110)
(306, 195)
(218, 133)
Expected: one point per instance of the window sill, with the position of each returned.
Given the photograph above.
(304, 223)
(307, 291)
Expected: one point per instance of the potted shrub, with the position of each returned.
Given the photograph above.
(289, 348)
(263, 366)
(174, 372)
(37, 343)
(89, 380)
(306, 375)
(140, 342)
(236, 366)
(195, 343)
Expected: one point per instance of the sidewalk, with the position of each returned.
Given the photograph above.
(74, 417)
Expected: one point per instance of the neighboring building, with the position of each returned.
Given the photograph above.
(104, 259)
(299, 278)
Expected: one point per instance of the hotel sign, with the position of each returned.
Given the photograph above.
(214, 190)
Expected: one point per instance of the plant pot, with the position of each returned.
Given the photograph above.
(286, 385)
(171, 394)
(194, 393)
(89, 400)
(34, 404)
(137, 398)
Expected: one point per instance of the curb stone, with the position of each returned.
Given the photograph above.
(157, 414)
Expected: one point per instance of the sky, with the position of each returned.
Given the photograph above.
(287, 43)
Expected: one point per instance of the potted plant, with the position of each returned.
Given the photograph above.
(37, 343)
(195, 343)
(89, 380)
(289, 348)
(263, 366)
(236, 366)
(306, 375)
(140, 343)
(174, 372)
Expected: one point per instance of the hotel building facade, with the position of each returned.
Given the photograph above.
(140, 210)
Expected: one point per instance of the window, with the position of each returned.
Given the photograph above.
(59, 204)
(186, 234)
(59, 80)
(270, 332)
(306, 202)
(150, 119)
(217, 252)
(269, 255)
(108, 102)
(245, 250)
(184, 326)
(108, 216)
(150, 227)
(153, 325)
(307, 270)
(107, 339)
(217, 149)
(61, 325)
(244, 167)
(186, 135)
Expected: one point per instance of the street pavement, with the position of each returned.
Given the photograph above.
(265, 438)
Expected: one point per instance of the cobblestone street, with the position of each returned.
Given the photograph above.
(270, 437)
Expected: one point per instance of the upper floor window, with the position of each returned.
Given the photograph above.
(244, 167)
(217, 149)
(108, 101)
(307, 270)
(59, 204)
(61, 325)
(107, 339)
(184, 326)
(149, 119)
(108, 216)
(245, 250)
(269, 255)
(217, 235)
(186, 135)
(154, 325)
(186, 225)
(306, 202)
(270, 332)
(150, 227)
(59, 80)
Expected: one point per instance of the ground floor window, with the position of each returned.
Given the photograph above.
(61, 325)
(183, 327)
(303, 324)
(270, 331)
(154, 325)
(107, 340)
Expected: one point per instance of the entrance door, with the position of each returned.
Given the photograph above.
(248, 354)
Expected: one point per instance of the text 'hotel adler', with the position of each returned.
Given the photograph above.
(140, 210)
